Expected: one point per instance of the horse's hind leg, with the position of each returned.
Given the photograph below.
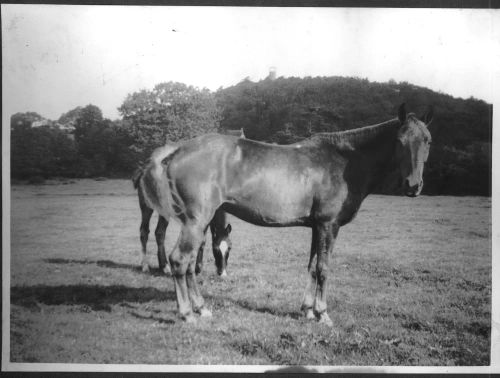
(161, 229)
(144, 232)
(308, 301)
(327, 233)
(182, 263)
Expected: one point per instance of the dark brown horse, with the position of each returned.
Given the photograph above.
(318, 183)
(221, 243)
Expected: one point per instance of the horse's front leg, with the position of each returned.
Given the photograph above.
(161, 229)
(327, 233)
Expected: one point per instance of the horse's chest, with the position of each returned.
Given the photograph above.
(349, 209)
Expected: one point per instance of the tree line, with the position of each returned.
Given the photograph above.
(82, 143)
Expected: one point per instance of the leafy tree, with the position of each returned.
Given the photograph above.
(87, 122)
(24, 120)
(99, 146)
(102, 144)
(171, 111)
(42, 151)
(70, 117)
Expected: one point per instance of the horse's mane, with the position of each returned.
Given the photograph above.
(355, 138)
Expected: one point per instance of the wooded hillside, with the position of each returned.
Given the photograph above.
(284, 110)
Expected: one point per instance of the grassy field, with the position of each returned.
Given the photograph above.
(410, 285)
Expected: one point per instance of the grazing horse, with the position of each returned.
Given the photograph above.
(318, 183)
(221, 243)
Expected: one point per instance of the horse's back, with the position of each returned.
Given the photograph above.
(198, 155)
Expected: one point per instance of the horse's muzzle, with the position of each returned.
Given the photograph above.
(222, 272)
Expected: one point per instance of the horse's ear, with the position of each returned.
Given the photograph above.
(427, 118)
(228, 229)
(402, 113)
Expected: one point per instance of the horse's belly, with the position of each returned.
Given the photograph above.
(265, 217)
(278, 204)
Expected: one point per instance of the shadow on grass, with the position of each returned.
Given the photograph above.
(105, 295)
(151, 317)
(105, 264)
(95, 296)
(135, 268)
(100, 298)
(266, 309)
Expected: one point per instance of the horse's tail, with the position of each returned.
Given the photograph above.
(136, 177)
(162, 153)
(158, 155)
(161, 194)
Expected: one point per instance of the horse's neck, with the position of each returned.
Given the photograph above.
(362, 138)
(371, 146)
(377, 147)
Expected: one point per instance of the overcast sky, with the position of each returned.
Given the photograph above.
(58, 57)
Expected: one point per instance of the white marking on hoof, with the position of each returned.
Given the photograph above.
(190, 318)
(224, 273)
(167, 270)
(145, 268)
(310, 314)
(205, 313)
(223, 246)
(325, 319)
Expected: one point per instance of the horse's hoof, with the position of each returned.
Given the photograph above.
(205, 313)
(223, 275)
(145, 268)
(325, 319)
(167, 270)
(190, 318)
(310, 314)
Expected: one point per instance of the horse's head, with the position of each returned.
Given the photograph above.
(412, 150)
(221, 247)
